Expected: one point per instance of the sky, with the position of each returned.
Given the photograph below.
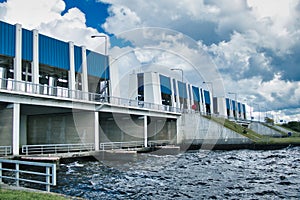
(253, 45)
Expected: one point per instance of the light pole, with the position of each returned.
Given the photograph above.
(174, 69)
(212, 87)
(235, 96)
(103, 36)
(258, 106)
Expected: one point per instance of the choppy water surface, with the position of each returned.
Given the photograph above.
(241, 174)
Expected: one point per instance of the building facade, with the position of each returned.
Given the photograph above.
(57, 93)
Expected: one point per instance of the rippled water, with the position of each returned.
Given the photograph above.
(240, 174)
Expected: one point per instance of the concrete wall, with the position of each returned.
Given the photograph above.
(193, 128)
(6, 119)
(68, 128)
(264, 130)
(125, 128)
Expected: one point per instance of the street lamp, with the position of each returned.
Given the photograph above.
(211, 85)
(235, 96)
(258, 106)
(174, 69)
(103, 36)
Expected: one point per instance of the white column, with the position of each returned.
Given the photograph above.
(35, 58)
(85, 87)
(173, 94)
(203, 109)
(16, 128)
(188, 101)
(71, 80)
(97, 140)
(18, 56)
(145, 131)
(192, 96)
(177, 96)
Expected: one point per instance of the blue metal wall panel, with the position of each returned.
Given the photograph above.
(27, 45)
(196, 94)
(165, 84)
(182, 90)
(206, 97)
(97, 65)
(78, 59)
(227, 103)
(243, 108)
(239, 107)
(7, 39)
(233, 105)
(54, 52)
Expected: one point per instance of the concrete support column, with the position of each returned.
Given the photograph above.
(173, 94)
(16, 129)
(18, 56)
(177, 96)
(191, 96)
(145, 131)
(85, 86)
(97, 139)
(188, 92)
(35, 58)
(72, 81)
(152, 92)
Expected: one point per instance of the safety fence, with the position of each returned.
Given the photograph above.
(22, 172)
(56, 148)
(5, 150)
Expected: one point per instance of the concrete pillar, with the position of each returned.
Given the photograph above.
(97, 139)
(177, 96)
(85, 86)
(145, 131)
(191, 97)
(72, 81)
(35, 58)
(16, 129)
(152, 92)
(173, 94)
(114, 77)
(188, 102)
(18, 56)
(133, 86)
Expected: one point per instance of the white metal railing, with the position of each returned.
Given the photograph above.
(121, 145)
(132, 144)
(56, 148)
(21, 169)
(5, 150)
(44, 89)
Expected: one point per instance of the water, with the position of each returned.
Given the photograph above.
(240, 174)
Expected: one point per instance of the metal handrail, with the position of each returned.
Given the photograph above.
(50, 174)
(121, 145)
(46, 90)
(56, 148)
(5, 150)
(132, 144)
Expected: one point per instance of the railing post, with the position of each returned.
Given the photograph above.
(0, 172)
(48, 179)
(54, 175)
(27, 150)
(17, 174)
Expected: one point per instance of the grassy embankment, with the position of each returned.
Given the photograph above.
(7, 194)
(258, 138)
